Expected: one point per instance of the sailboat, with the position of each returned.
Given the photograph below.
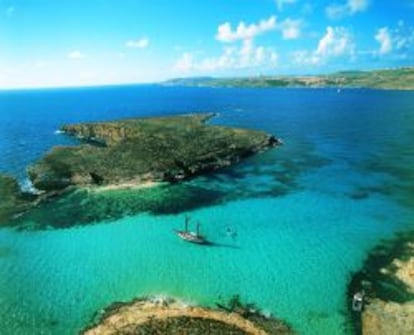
(190, 236)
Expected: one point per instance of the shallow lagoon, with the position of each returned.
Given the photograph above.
(306, 214)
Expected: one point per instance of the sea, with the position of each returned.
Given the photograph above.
(303, 216)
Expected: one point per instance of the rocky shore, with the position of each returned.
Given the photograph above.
(160, 315)
(390, 317)
(12, 200)
(388, 281)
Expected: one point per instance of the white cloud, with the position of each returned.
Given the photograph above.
(226, 34)
(246, 56)
(291, 29)
(227, 60)
(242, 52)
(280, 3)
(351, 7)
(304, 57)
(397, 41)
(337, 42)
(251, 56)
(185, 63)
(138, 44)
(403, 37)
(384, 39)
(76, 54)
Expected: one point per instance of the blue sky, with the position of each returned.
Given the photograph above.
(50, 43)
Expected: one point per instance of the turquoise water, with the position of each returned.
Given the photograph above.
(306, 214)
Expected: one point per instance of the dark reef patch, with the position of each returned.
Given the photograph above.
(82, 207)
(264, 176)
(269, 175)
(359, 194)
(399, 164)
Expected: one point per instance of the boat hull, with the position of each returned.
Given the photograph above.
(191, 237)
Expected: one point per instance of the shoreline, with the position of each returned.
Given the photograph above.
(169, 316)
(387, 278)
(130, 185)
(342, 88)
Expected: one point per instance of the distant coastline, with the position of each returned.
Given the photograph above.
(390, 79)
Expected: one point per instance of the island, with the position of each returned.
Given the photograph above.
(145, 150)
(393, 79)
(131, 153)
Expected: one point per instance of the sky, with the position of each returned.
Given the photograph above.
(50, 43)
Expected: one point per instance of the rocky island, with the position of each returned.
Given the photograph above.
(137, 151)
(131, 153)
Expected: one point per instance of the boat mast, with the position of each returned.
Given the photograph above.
(186, 223)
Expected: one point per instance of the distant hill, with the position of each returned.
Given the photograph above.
(193, 81)
(398, 79)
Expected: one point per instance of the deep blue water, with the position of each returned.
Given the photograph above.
(306, 213)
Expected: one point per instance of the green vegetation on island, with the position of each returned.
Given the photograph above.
(138, 151)
(124, 154)
(398, 79)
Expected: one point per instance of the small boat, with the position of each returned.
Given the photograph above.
(358, 301)
(190, 236)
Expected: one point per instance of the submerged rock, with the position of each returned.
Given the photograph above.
(145, 149)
